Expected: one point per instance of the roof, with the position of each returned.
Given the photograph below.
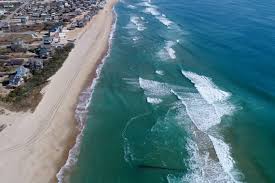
(21, 71)
(15, 80)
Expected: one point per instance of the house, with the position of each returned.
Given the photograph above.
(80, 23)
(18, 79)
(55, 30)
(24, 19)
(43, 53)
(36, 15)
(22, 71)
(8, 5)
(56, 38)
(15, 81)
(87, 18)
(34, 64)
(48, 18)
(47, 39)
(43, 15)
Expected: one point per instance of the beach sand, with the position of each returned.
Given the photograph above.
(34, 146)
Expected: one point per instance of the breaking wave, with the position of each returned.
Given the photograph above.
(153, 100)
(206, 109)
(81, 114)
(167, 52)
(202, 169)
(131, 6)
(164, 20)
(160, 72)
(153, 10)
(208, 90)
(210, 157)
(154, 88)
(137, 22)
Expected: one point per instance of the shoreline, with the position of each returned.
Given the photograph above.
(71, 157)
(42, 139)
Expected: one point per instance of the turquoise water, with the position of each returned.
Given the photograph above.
(187, 94)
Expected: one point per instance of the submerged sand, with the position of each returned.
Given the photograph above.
(34, 146)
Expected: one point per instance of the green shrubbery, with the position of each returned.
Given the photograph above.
(28, 95)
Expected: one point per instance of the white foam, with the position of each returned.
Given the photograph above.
(216, 100)
(167, 52)
(208, 90)
(153, 100)
(160, 72)
(131, 7)
(135, 38)
(203, 114)
(199, 111)
(146, 4)
(81, 114)
(154, 88)
(171, 53)
(206, 109)
(165, 21)
(161, 17)
(223, 152)
(136, 23)
(202, 169)
(151, 10)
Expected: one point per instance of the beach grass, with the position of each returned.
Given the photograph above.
(28, 96)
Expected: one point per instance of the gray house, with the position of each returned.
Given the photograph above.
(34, 64)
(18, 79)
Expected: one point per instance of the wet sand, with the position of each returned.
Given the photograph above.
(34, 146)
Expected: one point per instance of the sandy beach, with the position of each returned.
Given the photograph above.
(34, 146)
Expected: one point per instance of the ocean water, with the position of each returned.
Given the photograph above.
(186, 94)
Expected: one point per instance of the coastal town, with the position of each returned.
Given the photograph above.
(50, 52)
(33, 33)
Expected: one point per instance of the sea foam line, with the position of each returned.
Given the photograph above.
(202, 169)
(138, 22)
(153, 10)
(214, 107)
(205, 109)
(167, 52)
(82, 110)
(208, 90)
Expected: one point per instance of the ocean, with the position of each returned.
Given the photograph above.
(186, 94)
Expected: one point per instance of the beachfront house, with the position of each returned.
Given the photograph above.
(47, 40)
(55, 30)
(34, 64)
(18, 79)
(43, 53)
(87, 18)
(80, 23)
